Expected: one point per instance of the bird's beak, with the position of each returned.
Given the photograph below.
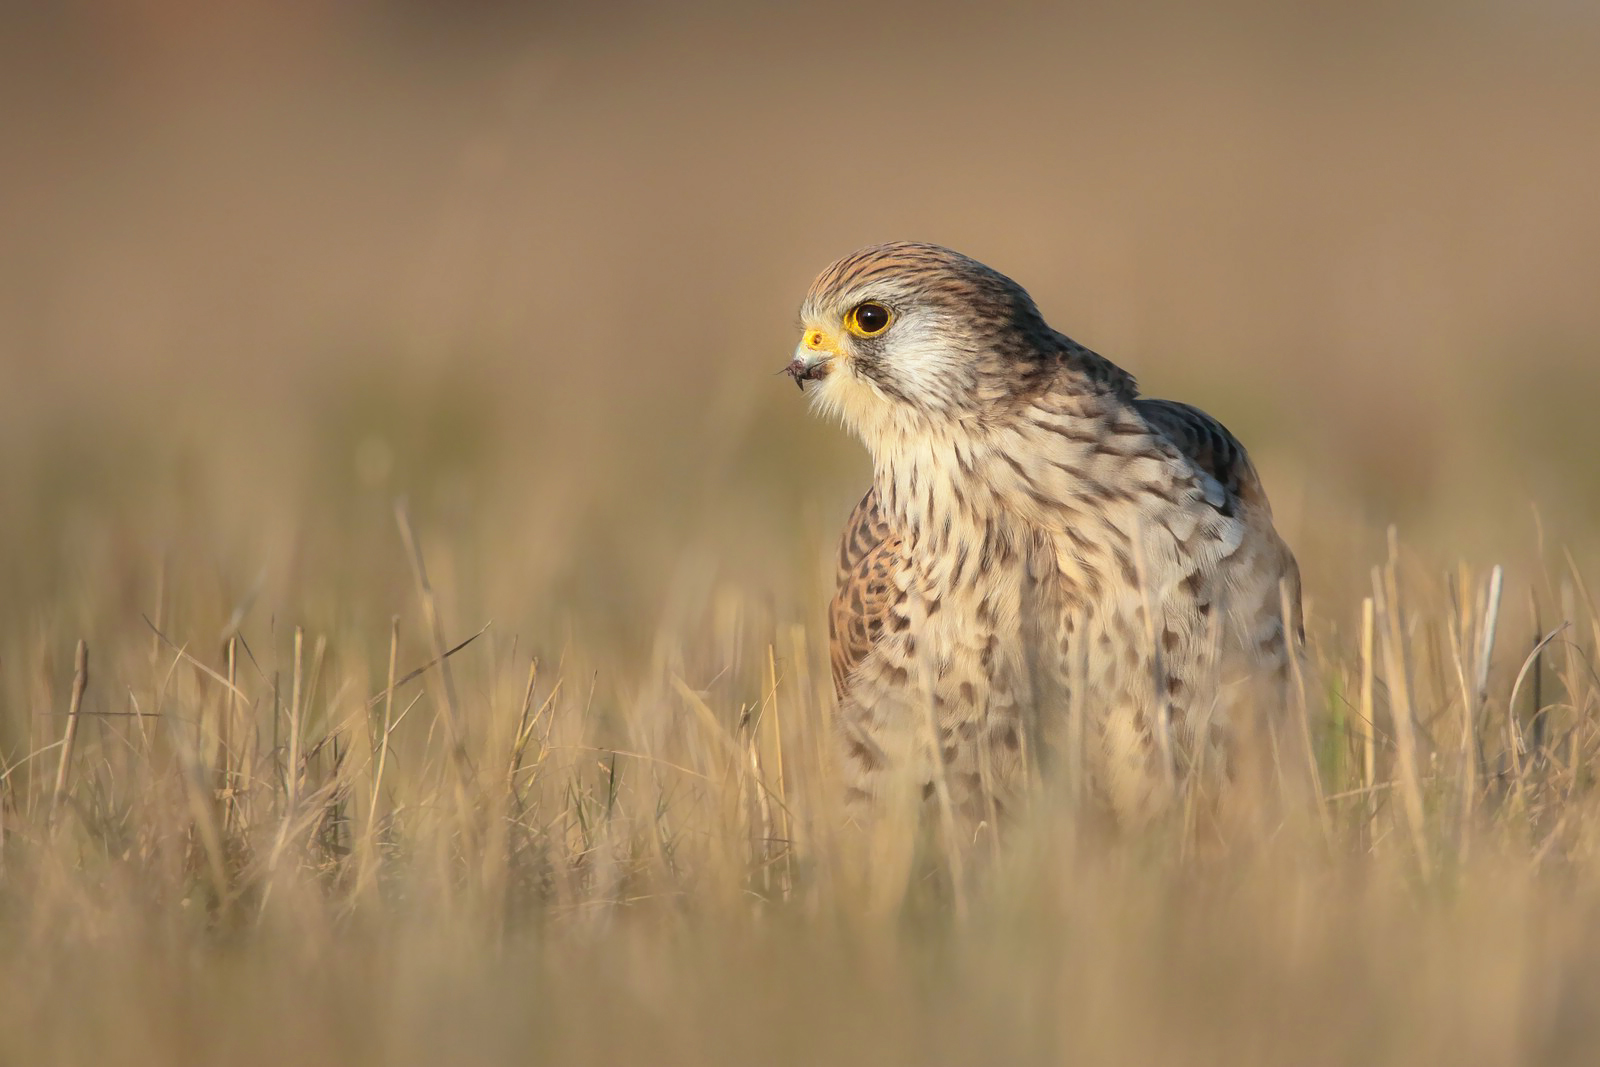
(813, 358)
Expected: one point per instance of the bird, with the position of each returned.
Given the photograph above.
(1052, 577)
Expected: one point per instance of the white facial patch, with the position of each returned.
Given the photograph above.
(924, 363)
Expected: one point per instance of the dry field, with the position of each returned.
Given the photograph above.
(336, 338)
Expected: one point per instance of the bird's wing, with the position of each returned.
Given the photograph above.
(1207, 444)
(867, 552)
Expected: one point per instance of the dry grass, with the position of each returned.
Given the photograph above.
(530, 277)
(329, 844)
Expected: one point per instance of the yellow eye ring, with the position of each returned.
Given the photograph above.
(868, 319)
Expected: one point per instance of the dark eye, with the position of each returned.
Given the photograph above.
(868, 319)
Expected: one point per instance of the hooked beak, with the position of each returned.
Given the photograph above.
(813, 359)
(808, 367)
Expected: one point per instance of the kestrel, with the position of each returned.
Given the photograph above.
(1048, 566)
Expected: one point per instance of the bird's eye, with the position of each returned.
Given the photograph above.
(868, 319)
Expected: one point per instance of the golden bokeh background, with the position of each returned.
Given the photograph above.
(567, 241)
(266, 267)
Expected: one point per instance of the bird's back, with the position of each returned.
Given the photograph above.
(1140, 636)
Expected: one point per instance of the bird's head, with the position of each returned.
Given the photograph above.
(899, 332)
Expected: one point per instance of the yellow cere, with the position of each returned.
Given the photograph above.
(816, 340)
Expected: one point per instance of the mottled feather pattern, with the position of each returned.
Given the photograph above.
(860, 608)
(1041, 546)
(1207, 444)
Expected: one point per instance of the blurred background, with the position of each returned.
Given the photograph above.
(268, 265)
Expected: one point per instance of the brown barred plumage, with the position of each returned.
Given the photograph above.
(1040, 542)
